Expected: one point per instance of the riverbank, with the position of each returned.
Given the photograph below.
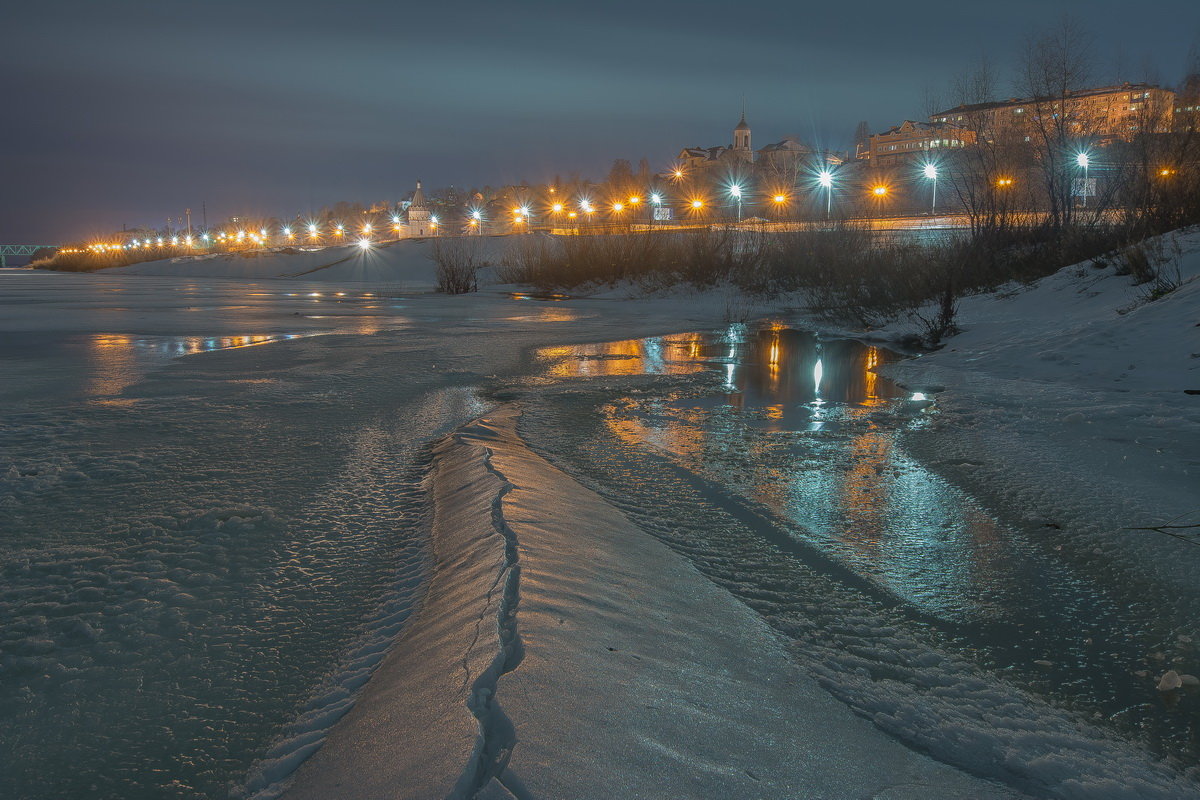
(1073, 405)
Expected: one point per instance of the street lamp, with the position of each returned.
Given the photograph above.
(735, 192)
(825, 178)
(931, 172)
(1083, 160)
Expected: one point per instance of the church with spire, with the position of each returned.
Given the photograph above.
(740, 156)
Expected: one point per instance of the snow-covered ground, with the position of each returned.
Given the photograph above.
(1073, 404)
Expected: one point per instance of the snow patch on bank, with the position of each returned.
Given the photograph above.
(1074, 401)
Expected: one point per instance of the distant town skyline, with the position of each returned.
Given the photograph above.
(125, 113)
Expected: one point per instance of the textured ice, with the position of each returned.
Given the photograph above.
(205, 550)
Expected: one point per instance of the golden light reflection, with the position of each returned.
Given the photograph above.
(118, 360)
(113, 364)
(549, 314)
(654, 356)
(870, 379)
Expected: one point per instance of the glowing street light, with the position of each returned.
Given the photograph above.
(825, 179)
(364, 244)
(879, 191)
(1083, 160)
(618, 207)
(735, 192)
(366, 229)
(931, 172)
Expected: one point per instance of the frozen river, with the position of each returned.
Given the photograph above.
(214, 523)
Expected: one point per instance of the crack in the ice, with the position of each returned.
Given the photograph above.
(497, 735)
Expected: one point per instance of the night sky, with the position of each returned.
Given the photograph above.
(125, 113)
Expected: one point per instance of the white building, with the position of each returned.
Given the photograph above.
(420, 221)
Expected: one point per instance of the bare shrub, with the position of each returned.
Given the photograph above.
(531, 259)
(458, 262)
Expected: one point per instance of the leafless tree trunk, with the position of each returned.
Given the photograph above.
(1055, 64)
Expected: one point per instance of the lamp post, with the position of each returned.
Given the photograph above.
(1083, 160)
(825, 178)
(931, 172)
(655, 202)
(736, 192)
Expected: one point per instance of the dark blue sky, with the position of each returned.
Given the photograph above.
(128, 112)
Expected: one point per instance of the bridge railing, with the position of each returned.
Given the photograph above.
(7, 250)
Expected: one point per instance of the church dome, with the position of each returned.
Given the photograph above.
(742, 126)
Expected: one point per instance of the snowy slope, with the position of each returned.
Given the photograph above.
(1066, 401)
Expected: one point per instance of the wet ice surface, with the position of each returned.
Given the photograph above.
(203, 552)
(771, 459)
(206, 544)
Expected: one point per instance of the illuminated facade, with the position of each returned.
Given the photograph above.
(1115, 112)
(915, 138)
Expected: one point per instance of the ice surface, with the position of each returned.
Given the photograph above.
(626, 673)
(208, 546)
(204, 543)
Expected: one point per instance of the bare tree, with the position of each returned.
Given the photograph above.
(977, 85)
(1055, 65)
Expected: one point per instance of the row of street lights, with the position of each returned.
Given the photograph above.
(825, 179)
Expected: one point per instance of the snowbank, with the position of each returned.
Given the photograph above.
(1067, 402)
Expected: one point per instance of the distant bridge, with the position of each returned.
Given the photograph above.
(7, 250)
